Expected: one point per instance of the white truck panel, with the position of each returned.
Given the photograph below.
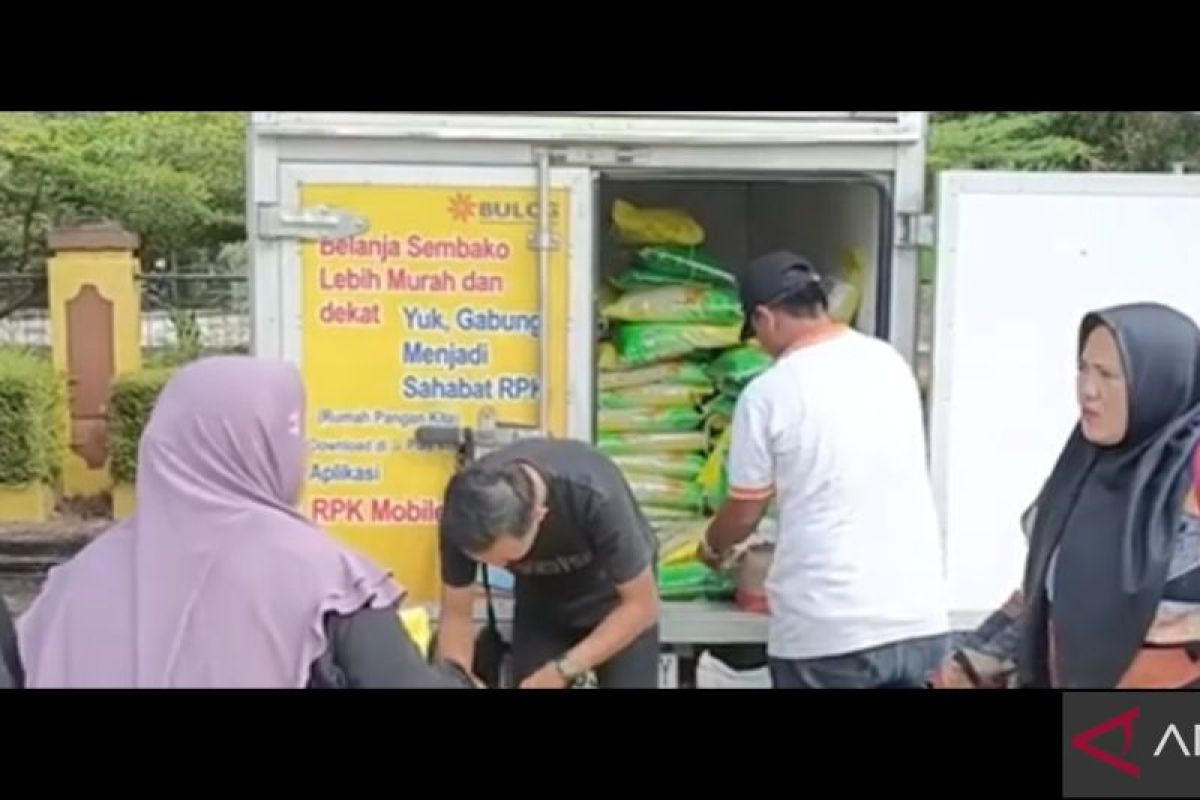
(622, 128)
(888, 145)
(1021, 258)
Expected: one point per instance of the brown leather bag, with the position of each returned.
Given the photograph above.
(1158, 667)
(1162, 668)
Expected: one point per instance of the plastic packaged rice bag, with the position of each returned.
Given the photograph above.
(636, 226)
(845, 299)
(714, 477)
(679, 540)
(660, 517)
(688, 263)
(678, 304)
(683, 466)
(678, 529)
(648, 420)
(694, 581)
(652, 395)
(667, 492)
(607, 356)
(720, 405)
(616, 444)
(717, 423)
(606, 294)
(641, 343)
(633, 280)
(843, 302)
(739, 365)
(676, 372)
(734, 386)
(680, 552)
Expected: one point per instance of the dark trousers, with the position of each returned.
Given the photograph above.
(908, 664)
(537, 642)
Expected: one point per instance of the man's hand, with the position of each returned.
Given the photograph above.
(734, 522)
(711, 558)
(547, 677)
(951, 674)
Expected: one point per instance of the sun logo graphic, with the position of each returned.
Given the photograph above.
(462, 207)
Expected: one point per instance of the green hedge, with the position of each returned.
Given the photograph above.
(32, 419)
(133, 398)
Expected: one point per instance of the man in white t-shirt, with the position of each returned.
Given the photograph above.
(834, 433)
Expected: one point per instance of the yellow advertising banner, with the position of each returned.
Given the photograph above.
(427, 318)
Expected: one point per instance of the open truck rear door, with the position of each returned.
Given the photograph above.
(420, 303)
(1021, 258)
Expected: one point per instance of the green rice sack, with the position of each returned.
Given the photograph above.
(683, 466)
(694, 581)
(686, 263)
(617, 444)
(649, 420)
(682, 373)
(721, 405)
(739, 365)
(641, 343)
(636, 280)
(652, 395)
(732, 387)
(677, 304)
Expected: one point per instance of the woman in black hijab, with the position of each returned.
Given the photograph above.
(1111, 595)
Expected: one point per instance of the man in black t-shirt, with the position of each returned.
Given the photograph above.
(559, 515)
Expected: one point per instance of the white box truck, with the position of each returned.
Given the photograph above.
(420, 267)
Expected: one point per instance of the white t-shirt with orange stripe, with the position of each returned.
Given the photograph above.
(834, 430)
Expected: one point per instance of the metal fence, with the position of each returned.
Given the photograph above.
(196, 309)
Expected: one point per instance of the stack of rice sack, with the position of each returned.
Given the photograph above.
(730, 373)
(675, 306)
(671, 369)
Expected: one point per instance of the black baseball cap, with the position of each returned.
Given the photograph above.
(771, 278)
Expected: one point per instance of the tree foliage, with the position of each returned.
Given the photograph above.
(1145, 141)
(174, 178)
(1005, 141)
(1076, 140)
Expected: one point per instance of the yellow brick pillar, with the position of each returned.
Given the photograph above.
(95, 319)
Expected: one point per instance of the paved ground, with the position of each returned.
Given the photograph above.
(28, 551)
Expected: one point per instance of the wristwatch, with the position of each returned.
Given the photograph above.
(571, 672)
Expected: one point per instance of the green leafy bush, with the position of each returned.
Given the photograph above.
(32, 419)
(133, 398)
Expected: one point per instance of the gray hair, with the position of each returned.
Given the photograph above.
(483, 503)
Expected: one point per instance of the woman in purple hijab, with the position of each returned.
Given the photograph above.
(217, 580)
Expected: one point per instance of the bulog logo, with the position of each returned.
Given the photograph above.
(465, 208)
